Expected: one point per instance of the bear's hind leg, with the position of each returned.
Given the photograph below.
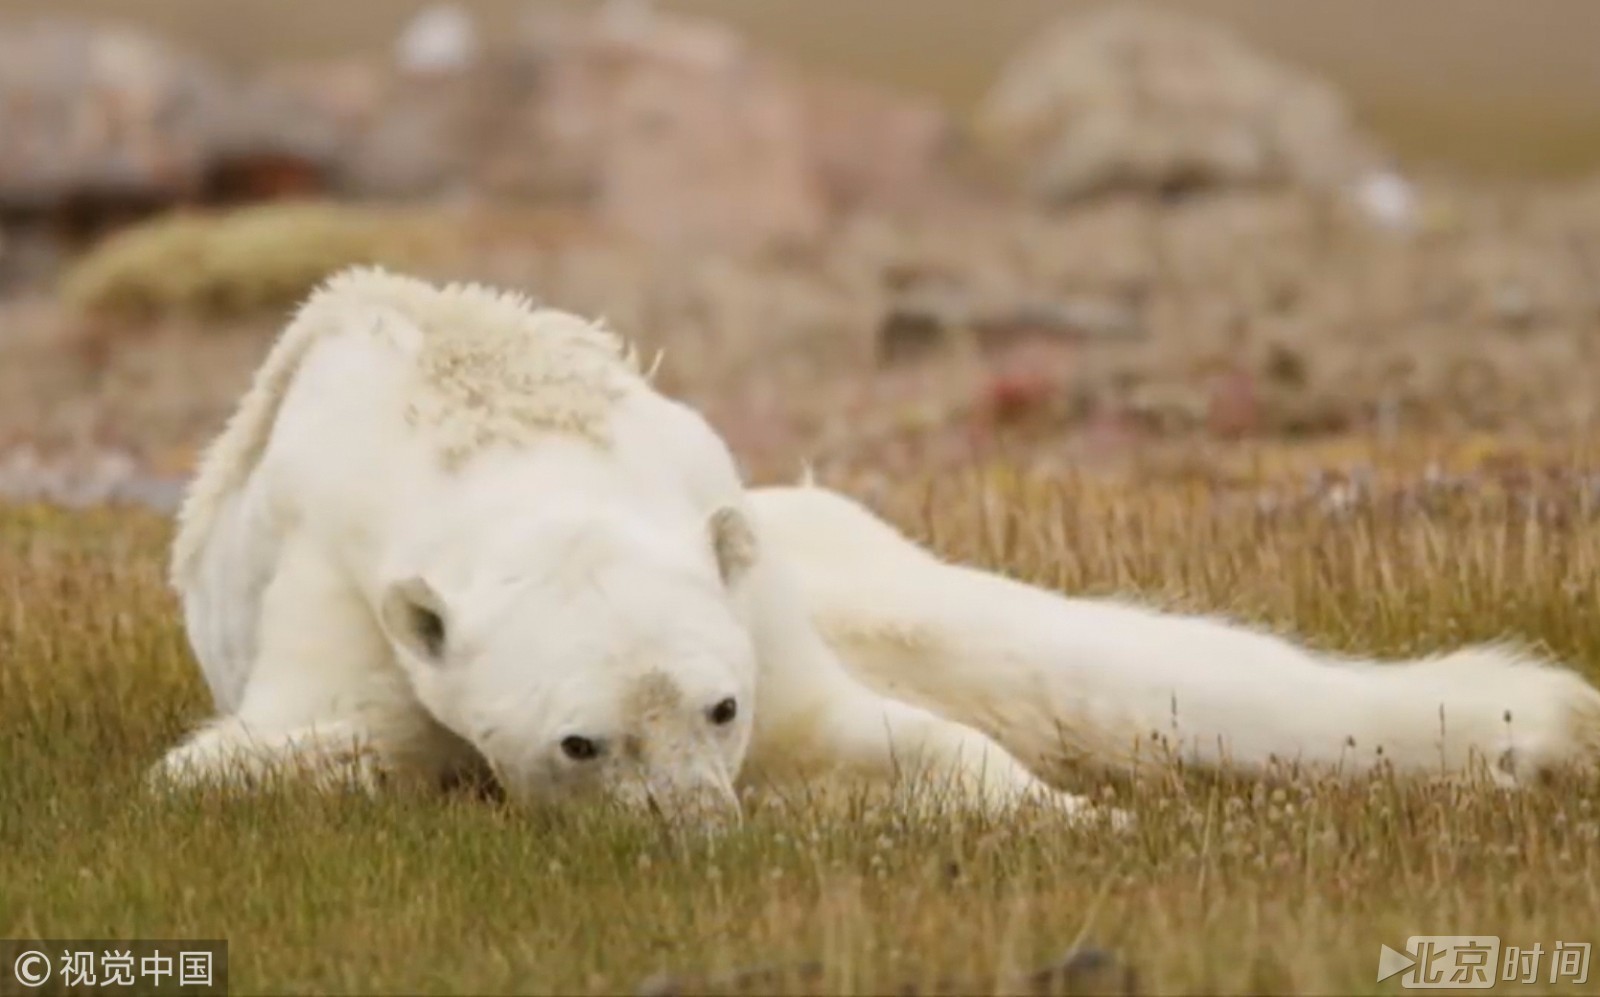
(830, 724)
(888, 739)
(814, 717)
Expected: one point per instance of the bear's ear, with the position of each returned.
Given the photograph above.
(733, 540)
(415, 617)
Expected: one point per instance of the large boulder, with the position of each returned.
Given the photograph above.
(670, 129)
(99, 116)
(1139, 98)
(99, 111)
(673, 129)
(872, 145)
(697, 138)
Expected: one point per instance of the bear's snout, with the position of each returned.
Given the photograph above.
(701, 802)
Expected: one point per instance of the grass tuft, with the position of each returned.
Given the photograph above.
(240, 262)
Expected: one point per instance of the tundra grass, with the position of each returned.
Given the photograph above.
(1217, 888)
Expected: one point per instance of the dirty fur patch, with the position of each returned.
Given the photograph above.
(652, 708)
(491, 368)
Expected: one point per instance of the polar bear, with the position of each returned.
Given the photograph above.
(446, 529)
(1076, 687)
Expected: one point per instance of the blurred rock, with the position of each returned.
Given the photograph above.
(925, 318)
(80, 480)
(414, 137)
(1145, 99)
(440, 39)
(1514, 307)
(1233, 404)
(269, 144)
(704, 140)
(920, 321)
(91, 111)
(1388, 200)
(349, 92)
(27, 257)
(102, 118)
(875, 146)
(675, 130)
(908, 332)
(1063, 320)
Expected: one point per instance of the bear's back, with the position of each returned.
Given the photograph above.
(489, 368)
(476, 368)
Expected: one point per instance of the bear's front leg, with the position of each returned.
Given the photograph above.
(322, 698)
(229, 753)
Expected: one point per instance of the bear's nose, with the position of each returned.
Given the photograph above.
(709, 806)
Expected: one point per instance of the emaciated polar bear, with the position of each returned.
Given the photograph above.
(1097, 688)
(446, 529)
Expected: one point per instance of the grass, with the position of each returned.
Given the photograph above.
(263, 257)
(1218, 889)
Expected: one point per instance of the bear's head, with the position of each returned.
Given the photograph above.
(592, 654)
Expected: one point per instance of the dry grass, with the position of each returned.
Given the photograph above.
(1219, 889)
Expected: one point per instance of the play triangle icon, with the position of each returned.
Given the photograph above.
(1391, 962)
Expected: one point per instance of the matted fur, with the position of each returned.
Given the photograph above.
(472, 337)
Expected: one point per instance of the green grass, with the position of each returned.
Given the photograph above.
(1217, 889)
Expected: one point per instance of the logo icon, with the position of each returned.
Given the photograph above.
(1456, 962)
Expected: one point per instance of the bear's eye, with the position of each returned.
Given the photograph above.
(579, 749)
(723, 712)
(429, 628)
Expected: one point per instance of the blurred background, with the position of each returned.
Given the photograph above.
(874, 236)
(1480, 83)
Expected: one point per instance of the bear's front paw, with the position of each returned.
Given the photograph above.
(229, 756)
(215, 756)
(183, 770)
(1011, 787)
(1081, 811)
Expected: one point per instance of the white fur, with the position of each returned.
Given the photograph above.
(447, 528)
(1069, 685)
